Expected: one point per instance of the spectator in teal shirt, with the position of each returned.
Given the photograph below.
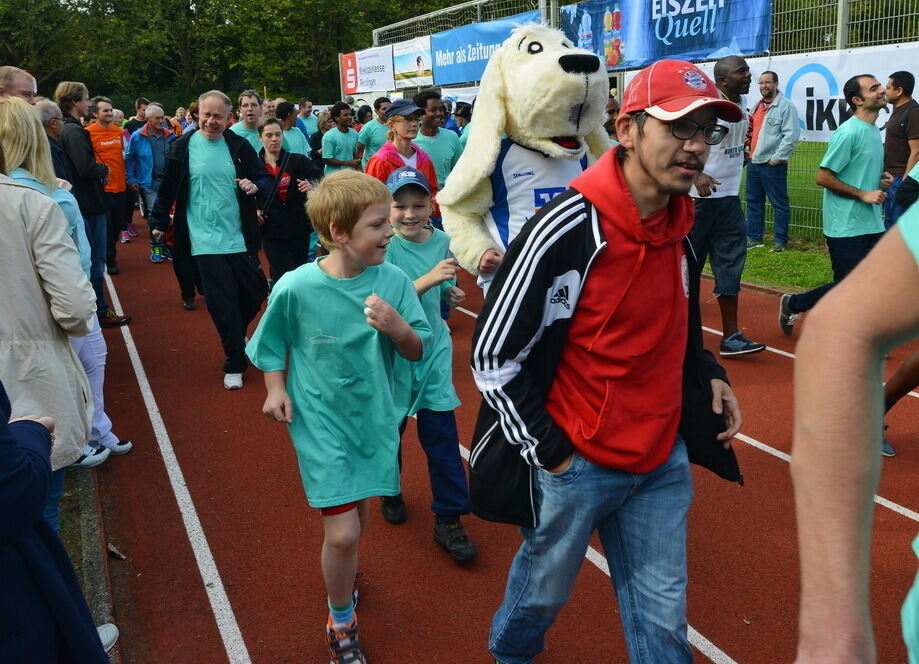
(306, 121)
(339, 145)
(373, 134)
(249, 104)
(442, 146)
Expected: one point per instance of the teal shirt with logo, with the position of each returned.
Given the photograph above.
(856, 155)
(427, 383)
(339, 145)
(444, 149)
(372, 136)
(250, 135)
(214, 222)
(340, 377)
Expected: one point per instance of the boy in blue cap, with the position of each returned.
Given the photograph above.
(426, 386)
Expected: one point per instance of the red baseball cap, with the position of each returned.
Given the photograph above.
(670, 89)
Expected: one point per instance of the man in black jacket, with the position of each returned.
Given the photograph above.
(597, 390)
(212, 176)
(88, 182)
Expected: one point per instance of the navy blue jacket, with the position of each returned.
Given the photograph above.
(43, 615)
(59, 159)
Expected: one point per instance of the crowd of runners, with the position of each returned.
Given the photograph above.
(588, 351)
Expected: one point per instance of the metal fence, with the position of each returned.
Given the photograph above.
(798, 26)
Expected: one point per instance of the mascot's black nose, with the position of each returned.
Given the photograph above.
(579, 63)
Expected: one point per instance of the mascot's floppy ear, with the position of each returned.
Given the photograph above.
(485, 133)
(598, 142)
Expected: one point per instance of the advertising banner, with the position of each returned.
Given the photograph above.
(460, 55)
(412, 64)
(634, 33)
(367, 70)
(813, 82)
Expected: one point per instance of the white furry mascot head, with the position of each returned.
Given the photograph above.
(541, 92)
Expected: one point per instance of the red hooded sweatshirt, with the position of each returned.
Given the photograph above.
(617, 393)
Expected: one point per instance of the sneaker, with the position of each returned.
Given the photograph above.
(156, 254)
(124, 237)
(91, 457)
(121, 447)
(886, 449)
(167, 252)
(451, 535)
(189, 304)
(132, 230)
(344, 644)
(112, 269)
(755, 244)
(233, 381)
(108, 634)
(738, 344)
(778, 247)
(393, 509)
(787, 319)
(111, 319)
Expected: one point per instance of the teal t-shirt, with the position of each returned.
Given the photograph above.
(214, 223)
(427, 383)
(444, 149)
(311, 123)
(295, 142)
(250, 135)
(908, 223)
(465, 135)
(339, 377)
(856, 155)
(337, 144)
(372, 136)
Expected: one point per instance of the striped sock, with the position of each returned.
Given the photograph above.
(342, 615)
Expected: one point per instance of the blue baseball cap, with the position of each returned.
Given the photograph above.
(406, 176)
(404, 107)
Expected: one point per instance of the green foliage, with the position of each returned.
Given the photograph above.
(175, 49)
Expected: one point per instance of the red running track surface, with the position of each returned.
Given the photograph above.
(417, 605)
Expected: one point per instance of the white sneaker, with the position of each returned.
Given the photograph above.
(233, 381)
(108, 634)
(119, 447)
(91, 457)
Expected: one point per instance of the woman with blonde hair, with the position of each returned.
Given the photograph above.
(403, 118)
(28, 162)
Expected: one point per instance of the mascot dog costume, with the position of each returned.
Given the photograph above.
(539, 112)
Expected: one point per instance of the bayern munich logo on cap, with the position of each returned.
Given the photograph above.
(695, 79)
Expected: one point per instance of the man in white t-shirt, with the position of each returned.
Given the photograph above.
(720, 231)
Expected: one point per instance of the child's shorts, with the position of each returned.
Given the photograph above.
(337, 509)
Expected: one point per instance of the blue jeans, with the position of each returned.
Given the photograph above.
(150, 195)
(97, 232)
(892, 211)
(772, 181)
(52, 511)
(440, 441)
(641, 520)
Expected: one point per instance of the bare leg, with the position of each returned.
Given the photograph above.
(339, 552)
(904, 380)
(728, 306)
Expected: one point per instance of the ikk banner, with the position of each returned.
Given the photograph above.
(412, 64)
(367, 70)
(460, 55)
(635, 33)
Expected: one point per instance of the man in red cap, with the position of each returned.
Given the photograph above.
(597, 389)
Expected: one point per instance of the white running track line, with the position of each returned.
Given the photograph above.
(703, 645)
(769, 348)
(220, 604)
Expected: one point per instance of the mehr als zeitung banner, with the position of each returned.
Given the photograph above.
(460, 55)
(635, 33)
(367, 70)
(412, 63)
(813, 82)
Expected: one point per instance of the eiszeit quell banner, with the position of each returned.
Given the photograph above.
(412, 63)
(460, 55)
(367, 70)
(635, 33)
